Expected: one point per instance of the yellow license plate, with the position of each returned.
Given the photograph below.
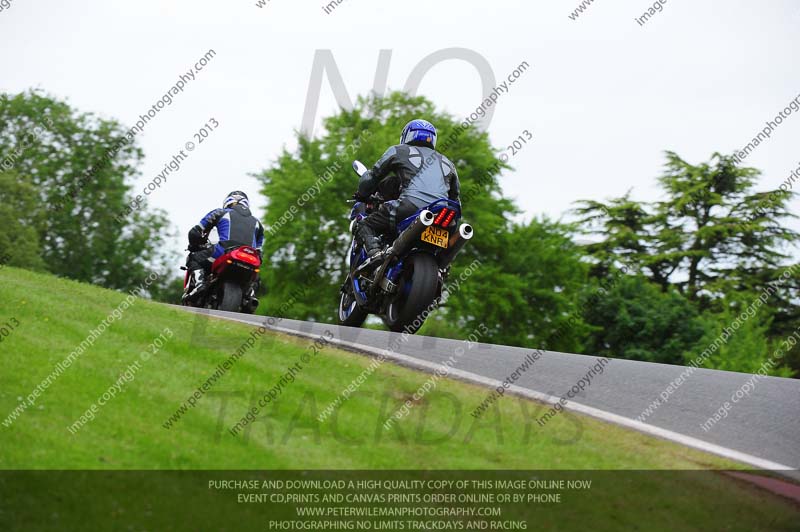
(436, 236)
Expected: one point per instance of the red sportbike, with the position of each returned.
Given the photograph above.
(233, 282)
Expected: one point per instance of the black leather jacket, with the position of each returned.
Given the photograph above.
(418, 174)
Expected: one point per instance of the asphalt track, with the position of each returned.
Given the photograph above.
(761, 429)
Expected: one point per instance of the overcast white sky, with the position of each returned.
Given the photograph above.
(604, 96)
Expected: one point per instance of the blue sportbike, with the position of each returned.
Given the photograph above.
(403, 284)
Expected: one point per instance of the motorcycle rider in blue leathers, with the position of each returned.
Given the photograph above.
(236, 226)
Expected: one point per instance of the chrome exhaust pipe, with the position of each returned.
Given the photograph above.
(456, 243)
(403, 243)
(410, 236)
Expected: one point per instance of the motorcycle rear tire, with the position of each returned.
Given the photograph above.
(231, 299)
(407, 314)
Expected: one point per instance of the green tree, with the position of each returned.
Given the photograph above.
(19, 241)
(711, 237)
(710, 228)
(748, 349)
(81, 168)
(528, 293)
(635, 319)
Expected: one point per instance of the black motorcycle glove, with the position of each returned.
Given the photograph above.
(197, 238)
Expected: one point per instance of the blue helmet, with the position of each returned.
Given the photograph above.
(237, 196)
(419, 132)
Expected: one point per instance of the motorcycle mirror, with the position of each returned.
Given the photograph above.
(359, 167)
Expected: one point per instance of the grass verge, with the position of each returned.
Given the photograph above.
(128, 432)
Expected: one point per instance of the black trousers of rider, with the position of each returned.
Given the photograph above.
(199, 260)
(385, 219)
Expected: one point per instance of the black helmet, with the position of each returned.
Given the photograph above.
(237, 196)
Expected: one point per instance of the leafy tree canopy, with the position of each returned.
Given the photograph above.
(710, 228)
(78, 169)
(636, 320)
(714, 239)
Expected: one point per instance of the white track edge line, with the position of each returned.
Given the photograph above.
(609, 417)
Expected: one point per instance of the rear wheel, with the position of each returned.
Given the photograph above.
(417, 291)
(231, 297)
(350, 314)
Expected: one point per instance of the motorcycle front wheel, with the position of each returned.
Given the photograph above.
(350, 314)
